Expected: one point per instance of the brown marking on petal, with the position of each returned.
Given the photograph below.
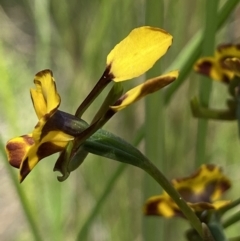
(47, 149)
(204, 68)
(154, 84)
(226, 79)
(38, 125)
(151, 208)
(192, 176)
(16, 150)
(44, 72)
(238, 46)
(224, 46)
(224, 185)
(49, 126)
(28, 139)
(211, 167)
(24, 170)
(120, 100)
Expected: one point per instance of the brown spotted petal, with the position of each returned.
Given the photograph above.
(161, 205)
(17, 148)
(210, 67)
(148, 87)
(37, 152)
(215, 67)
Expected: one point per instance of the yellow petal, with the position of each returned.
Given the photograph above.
(148, 87)
(220, 203)
(161, 205)
(37, 152)
(138, 52)
(45, 97)
(227, 50)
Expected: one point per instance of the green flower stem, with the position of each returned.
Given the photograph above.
(189, 55)
(208, 47)
(97, 89)
(106, 144)
(113, 95)
(92, 129)
(22, 197)
(232, 220)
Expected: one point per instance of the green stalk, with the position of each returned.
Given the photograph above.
(208, 47)
(189, 55)
(154, 128)
(232, 220)
(22, 197)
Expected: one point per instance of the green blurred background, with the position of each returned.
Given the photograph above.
(73, 38)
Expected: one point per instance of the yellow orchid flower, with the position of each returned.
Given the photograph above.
(137, 53)
(215, 67)
(132, 57)
(201, 191)
(26, 151)
(140, 91)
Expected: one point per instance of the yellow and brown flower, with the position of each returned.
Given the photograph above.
(132, 57)
(26, 151)
(202, 191)
(215, 67)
